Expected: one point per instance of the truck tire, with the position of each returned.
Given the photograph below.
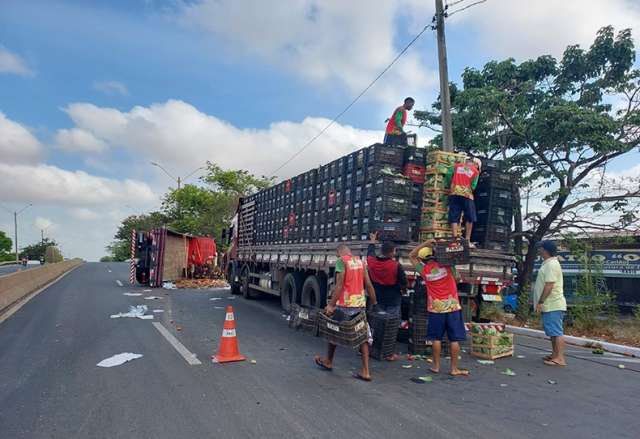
(314, 293)
(290, 290)
(231, 274)
(247, 292)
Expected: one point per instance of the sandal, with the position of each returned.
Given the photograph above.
(358, 376)
(553, 363)
(321, 364)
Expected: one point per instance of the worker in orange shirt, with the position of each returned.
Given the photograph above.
(462, 179)
(350, 299)
(394, 134)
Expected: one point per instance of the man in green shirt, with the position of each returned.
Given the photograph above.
(548, 297)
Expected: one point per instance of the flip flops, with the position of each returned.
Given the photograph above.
(321, 364)
(553, 363)
(360, 377)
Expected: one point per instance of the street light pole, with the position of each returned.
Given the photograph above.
(15, 226)
(445, 99)
(178, 179)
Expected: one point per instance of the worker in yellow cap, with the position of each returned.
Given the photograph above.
(443, 306)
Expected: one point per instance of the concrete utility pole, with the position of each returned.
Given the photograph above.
(445, 99)
(15, 227)
(178, 180)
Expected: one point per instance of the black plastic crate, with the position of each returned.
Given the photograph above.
(380, 154)
(416, 156)
(392, 231)
(490, 198)
(384, 330)
(501, 246)
(490, 232)
(497, 216)
(392, 204)
(496, 179)
(389, 185)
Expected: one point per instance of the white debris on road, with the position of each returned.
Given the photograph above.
(168, 285)
(119, 283)
(158, 310)
(146, 291)
(132, 294)
(216, 298)
(118, 359)
(152, 298)
(137, 311)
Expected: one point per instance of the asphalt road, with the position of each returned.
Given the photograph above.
(50, 386)
(6, 269)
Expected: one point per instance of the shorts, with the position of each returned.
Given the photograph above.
(552, 323)
(450, 322)
(459, 204)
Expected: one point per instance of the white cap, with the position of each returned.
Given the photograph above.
(478, 162)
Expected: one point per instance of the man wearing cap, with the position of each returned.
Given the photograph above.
(548, 297)
(462, 179)
(443, 305)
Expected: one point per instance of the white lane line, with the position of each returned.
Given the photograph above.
(119, 283)
(188, 356)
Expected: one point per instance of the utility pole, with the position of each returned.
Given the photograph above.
(15, 226)
(445, 99)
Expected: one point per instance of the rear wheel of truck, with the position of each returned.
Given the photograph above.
(290, 290)
(314, 293)
(247, 292)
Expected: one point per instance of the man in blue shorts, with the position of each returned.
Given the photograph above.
(443, 305)
(462, 179)
(548, 295)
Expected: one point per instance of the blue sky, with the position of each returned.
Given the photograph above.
(96, 90)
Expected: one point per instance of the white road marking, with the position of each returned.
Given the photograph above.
(186, 354)
(119, 283)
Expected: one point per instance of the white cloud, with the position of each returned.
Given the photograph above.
(12, 63)
(43, 223)
(49, 184)
(111, 87)
(17, 144)
(84, 214)
(77, 140)
(526, 29)
(181, 137)
(334, 43)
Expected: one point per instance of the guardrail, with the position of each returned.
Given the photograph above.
(15, 286)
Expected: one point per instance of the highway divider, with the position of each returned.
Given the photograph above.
(18, 285)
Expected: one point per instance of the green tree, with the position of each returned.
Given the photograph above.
(35, 252)
(554, 125)
(5, 248)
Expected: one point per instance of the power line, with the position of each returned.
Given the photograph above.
(335, 119)
(447, 14)
(448, 5)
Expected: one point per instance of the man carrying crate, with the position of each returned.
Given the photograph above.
(462, 179)
(349, 299)
(443, 305)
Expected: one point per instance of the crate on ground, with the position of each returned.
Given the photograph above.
(445, 158)
(451, 251)
(348, 333)
(491, 347)
(304, 319)
(384, 330)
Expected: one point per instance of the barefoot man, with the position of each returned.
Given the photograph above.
(443, 305)
(349, 298)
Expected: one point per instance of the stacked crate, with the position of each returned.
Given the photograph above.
(434, 223)
(384, 329)
(418, 320)
(415, 161)
(494, 207)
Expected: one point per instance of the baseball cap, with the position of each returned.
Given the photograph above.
(425, 252)
(549, 246)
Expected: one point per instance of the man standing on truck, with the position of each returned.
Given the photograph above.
(387, 276)
(462, 179)
(443, 305)
(350, 299)
(394, 134)
(548, 295)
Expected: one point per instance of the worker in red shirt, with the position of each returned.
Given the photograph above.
(394, 134)
(387, 277)
(349, 299)
(462, 179)
(443, 306)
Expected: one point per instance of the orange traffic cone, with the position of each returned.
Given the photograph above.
(228, 350)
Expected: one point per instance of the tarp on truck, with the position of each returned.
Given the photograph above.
(201, 250)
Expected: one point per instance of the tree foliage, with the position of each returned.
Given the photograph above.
(5, 248)
(202, 210)
(556, 124)
(37, 251)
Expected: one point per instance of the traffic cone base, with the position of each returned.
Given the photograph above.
(228, 351)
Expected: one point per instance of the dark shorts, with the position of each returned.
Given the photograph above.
(450, 322)
(459, 204)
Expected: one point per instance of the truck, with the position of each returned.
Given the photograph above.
(164, 255)
(283, 239)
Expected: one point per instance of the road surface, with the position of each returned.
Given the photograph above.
(51, 387)
(6, 269)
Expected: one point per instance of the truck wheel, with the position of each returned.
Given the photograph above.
(290, 290)
(247, 292)
(235, 286)
(314, 293)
